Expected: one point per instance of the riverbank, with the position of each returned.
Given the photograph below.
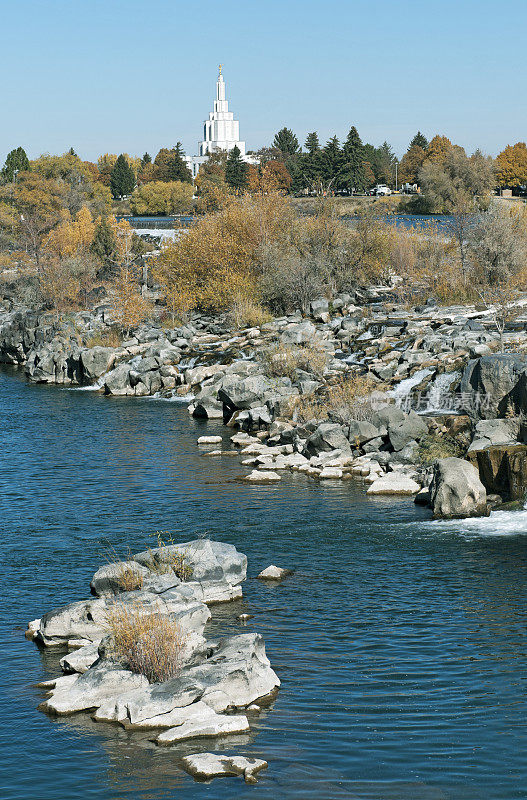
(360, 387)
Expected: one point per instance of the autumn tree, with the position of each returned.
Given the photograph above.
(16, 161)
(498, 242)
(273, 177)
(130, 307)
(437, 149)
(36, 205)
(72, 235)
(80, 180)
(122, 179)
(236, 170)
(411, 163)
(511, 165)
(164, 198)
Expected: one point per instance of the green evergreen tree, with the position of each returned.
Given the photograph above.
(420, 140)
(122, 178)
(177, 168)
(236, 170)
(331, 163)
(103, 245)
(312, 162)
(147, 159)
(16, 161)
(312, 144)
(353, 175)
(71, 152)
(286, 141)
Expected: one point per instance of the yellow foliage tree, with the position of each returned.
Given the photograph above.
(71, 235)
(130, 307)
(437, 149)
(215, 261)
(162, 197)
(511, 165)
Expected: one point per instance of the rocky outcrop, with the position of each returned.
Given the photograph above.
(502, 469)
(490, 432)
(456, 490)
(215, 681)
(488, 381)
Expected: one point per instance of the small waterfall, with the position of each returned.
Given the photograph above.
(440, 399)
(402, 394)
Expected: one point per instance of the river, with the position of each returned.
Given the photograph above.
(400, 642)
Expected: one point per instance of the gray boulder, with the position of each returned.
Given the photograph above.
(91, 689)
(328, 436)
(208, 560)
(299, 333)
(117, 381)
(495, 431)
(487, 381)
(236, 674)
(96, 361)
(242, 394)
(456, 490)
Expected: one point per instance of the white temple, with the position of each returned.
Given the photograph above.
(220, 131)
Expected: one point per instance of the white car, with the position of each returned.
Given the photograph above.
(382, 189)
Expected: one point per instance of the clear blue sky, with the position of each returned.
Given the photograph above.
(131, 76)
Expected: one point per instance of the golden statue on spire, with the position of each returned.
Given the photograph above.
(221, 67)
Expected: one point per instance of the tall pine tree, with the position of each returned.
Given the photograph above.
(286, 141)
(16, 161)
(353, 174)
(331, 164)
(122, 178)
(419, 140)
(177, 168)
(311, 162)
(236, 170)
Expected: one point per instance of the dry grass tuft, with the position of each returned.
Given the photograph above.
(146, 642)
(282, 361)
(350, 398)
(106, 338)
(128, 577)
(247, 313)
(175, 562)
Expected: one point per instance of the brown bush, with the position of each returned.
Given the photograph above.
(146, 642)
(282, 361)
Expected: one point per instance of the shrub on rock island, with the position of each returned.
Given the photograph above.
(150, 644)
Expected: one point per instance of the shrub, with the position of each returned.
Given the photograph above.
(128, 577)
(283, 361)
(109, 337)
(248, 313)
(146, 642)
(351, 398)
(174, 561)
(434, 446)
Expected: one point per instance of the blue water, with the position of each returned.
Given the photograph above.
(400, 642)
(440, 221)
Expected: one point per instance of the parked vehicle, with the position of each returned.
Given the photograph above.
(382, 189)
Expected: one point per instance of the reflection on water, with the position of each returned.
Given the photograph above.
(400, 641)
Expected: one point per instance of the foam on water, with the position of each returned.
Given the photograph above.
(499, 523)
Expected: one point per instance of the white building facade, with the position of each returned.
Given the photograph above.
(220, 131)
